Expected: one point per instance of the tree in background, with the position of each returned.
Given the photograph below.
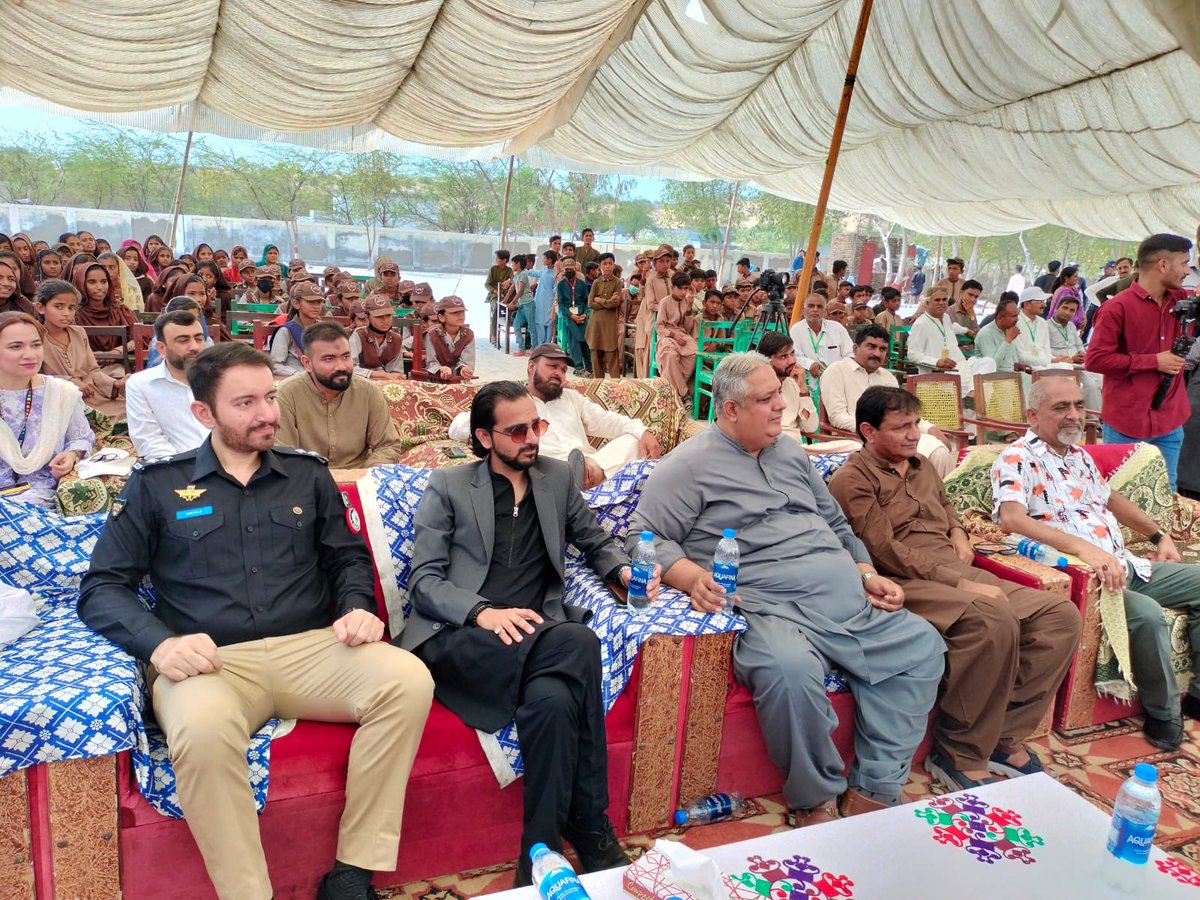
(365, 191)
(283, 184)
(31, 170)
(703, 207)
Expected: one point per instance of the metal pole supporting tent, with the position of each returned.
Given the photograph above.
(835, 146)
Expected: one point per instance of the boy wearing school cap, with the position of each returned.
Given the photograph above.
(450, 345)
(377, 349)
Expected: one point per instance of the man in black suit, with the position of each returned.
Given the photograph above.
(489, 621)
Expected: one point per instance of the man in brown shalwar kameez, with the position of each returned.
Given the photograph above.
(1007, 647)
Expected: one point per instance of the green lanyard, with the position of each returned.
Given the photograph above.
(942, 330)
(1032, 334)
(816, 343)
(1062, 329)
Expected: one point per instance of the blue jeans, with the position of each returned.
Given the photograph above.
(1169, 443)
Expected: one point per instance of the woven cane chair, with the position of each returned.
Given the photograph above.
(940, 394)
(999, 403)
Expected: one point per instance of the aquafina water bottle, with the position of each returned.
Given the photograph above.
(641, 572)
(1134, 820)
(725, 562)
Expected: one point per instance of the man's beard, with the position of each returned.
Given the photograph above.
(517, 461)
(546, 389)
(1070, 435)
(788, 370)
(181, 363)
(251, 440)
(338, 380)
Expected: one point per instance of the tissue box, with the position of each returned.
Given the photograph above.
(649, 879)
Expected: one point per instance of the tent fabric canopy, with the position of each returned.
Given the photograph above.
(969, 116)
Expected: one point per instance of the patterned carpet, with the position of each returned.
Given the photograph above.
(1093, 762)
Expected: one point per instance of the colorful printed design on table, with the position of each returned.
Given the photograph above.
(1177, 870)
(792, 879)
(987, 832)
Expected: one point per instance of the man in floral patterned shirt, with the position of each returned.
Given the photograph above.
(1045, 488)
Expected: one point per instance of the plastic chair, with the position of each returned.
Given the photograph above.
(714, 341)
(898, 346)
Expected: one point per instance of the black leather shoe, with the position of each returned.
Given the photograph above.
(597, 849)
(1190, 706)
(1165, 734)
(344, 882)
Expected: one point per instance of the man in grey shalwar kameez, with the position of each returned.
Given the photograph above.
(808, 593)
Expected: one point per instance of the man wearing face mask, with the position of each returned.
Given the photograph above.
(330, 411)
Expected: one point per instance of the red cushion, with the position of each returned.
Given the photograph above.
(1108, 457)
(312, 758)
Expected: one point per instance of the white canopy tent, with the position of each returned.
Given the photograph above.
(969, 116)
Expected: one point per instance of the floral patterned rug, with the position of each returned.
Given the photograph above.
(1093, 762)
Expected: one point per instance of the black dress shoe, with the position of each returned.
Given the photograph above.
(599, 849)
(1165, 734)
(1190, 706)
(344, 882)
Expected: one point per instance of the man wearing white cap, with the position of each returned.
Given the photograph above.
(1033, 342)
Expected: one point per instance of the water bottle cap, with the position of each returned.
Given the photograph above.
(1146, 772)
(729, 533)
(536, 849)
(680, 817)
(647, 535)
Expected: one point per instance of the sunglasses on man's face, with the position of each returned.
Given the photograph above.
(521, 432)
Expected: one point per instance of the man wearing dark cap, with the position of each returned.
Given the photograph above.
(573, 419)
(377, 348)
(450, 345)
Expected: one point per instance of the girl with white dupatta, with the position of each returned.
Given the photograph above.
(43, 429)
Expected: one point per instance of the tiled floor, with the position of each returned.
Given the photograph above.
(1093, 762)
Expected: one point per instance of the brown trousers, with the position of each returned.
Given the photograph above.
(606, 362)
(1004, 661)
(208, 721)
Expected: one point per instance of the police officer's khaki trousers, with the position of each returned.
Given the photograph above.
(208, 721)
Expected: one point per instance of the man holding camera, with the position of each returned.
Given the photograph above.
(1131, 346)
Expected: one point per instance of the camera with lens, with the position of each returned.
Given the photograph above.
(1187, 311)
(773, 283)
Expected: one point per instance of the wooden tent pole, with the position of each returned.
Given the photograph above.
(504, 210)
(737, 186)
(835, 146)
(187, 152)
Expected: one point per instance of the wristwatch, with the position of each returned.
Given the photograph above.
(867, 576)
(1156, 538)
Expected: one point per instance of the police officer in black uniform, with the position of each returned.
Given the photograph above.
(265, 607)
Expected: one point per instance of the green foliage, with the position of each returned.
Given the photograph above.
(122, 168)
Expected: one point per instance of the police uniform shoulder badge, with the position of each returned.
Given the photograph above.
(117, 507)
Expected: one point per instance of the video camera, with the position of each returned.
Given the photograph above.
(773, 283)
(1187, 311)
